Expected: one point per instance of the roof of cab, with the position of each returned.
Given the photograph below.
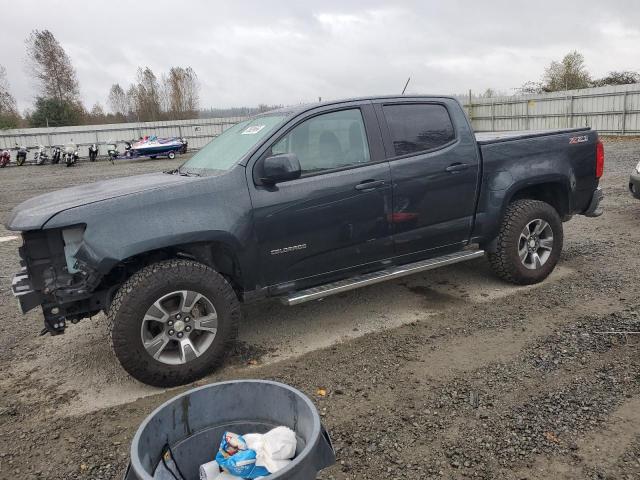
(303, 107)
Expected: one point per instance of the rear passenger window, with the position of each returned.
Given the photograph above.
(418, 127)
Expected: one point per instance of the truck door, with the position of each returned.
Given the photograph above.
(434, 168)
(335, 217)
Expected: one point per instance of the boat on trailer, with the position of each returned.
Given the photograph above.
(155, 147)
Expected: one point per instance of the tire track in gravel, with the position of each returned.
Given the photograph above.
(535, 406)
(604, 448)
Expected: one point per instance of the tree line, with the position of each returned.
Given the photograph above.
(173, 96)
(570, 73)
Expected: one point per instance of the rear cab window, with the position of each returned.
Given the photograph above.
(416, 128)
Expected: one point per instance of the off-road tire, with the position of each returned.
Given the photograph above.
(505, 260)
(142, 289)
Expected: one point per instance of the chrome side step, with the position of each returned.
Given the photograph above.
(322, 291)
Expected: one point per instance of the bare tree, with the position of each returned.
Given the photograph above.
(530, 88)
(183, 92)
(132, 103)
(9, 117)
(165, 95)
(147, 97)
(489, 93)
(191, 91)
(618, 78)
(97, 110)
(51, 67)
(568, 74)
(96, 115)
(118, 100)
(7, 102)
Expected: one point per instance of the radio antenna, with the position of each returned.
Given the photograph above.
(405, 85)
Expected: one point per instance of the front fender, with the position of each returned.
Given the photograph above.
(209, 209)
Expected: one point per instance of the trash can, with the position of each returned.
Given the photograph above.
(192, 425)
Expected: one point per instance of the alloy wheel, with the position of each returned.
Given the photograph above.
(179, 327)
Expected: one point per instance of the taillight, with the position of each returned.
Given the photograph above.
(599, 158)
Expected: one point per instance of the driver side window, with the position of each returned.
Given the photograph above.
(328, 141)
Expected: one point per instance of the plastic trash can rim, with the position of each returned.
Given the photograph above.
(316, 432)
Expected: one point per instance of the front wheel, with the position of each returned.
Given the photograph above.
(172, 322)
(529, 242)
(172, 155)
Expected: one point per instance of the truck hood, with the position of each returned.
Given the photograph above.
(35, 212)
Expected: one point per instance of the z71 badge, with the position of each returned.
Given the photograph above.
(581, 139)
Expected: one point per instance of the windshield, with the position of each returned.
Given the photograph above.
(230, 146)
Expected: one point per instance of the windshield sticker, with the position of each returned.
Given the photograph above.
(253, 129)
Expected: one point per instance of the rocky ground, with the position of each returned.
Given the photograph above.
(449, 374)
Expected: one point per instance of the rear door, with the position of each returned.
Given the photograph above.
(434, 168)
(335, 217)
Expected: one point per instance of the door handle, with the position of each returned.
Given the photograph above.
(367, 185)
(456, 167)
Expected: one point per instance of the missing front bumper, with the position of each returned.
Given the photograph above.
(27, 297)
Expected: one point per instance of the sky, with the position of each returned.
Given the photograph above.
(250, 52)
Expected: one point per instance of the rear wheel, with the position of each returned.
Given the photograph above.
(172, 322)
(172, 155)
(529, 242)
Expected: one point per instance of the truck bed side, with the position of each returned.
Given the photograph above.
(555, 166)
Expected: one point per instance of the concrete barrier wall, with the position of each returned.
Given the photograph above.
(198, 133)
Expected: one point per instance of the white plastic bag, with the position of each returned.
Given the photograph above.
(275, 449)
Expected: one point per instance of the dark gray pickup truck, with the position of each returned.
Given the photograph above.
(299, 204)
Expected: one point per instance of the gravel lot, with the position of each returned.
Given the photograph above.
(449, 374)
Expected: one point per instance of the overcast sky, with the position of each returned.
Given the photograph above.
(248, 52)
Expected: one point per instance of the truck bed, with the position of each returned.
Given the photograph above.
(484, 138)
(510, 160)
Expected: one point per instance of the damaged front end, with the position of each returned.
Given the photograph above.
(53, 276)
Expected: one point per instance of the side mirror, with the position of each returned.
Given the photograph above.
(280, 168)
